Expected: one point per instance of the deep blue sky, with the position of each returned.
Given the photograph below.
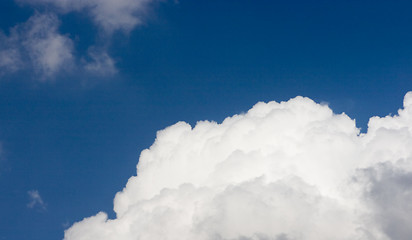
(77, 139)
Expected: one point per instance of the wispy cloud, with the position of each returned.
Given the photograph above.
(108, 15)
(100, 62)
(38, 45)
(35, 200)
(10, 59)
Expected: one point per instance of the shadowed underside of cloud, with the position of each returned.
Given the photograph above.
(282, 171)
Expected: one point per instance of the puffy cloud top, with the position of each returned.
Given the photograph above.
(281, 171)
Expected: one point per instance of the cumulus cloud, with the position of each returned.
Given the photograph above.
(292, 170)
(35, 200)
(389, 190)
(36, 44)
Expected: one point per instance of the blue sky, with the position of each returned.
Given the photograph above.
(75, 134)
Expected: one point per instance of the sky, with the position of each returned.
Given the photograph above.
(86, 85)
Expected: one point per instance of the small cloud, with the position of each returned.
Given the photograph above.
(324, 103)
(39, 46)
(108, 15)
(100, 63)
(35, 200)
(49, 50)
(66, 224)
(36, 45)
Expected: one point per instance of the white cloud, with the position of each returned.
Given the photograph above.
(283, 171)
(100, 63)
(10, 60)
(35, 200)
(49, 50)
(109, 15)
(37, 45)
(389, 190)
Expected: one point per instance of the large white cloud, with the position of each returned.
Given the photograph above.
(281, 171)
